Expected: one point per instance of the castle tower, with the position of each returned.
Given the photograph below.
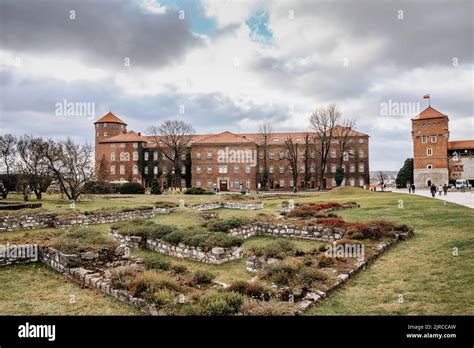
(430, 134)
(108, 126)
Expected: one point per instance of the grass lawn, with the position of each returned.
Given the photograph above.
(422, 269)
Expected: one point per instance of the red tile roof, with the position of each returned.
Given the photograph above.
(429, 112)
(109, 118)
(460, 144)
(224, 137)
(128, 137)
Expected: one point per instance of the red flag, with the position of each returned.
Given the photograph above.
(426, 96)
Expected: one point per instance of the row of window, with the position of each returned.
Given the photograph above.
(122, 169)
(223, 169)
(280, 183)
(424, 139)
(352, 168)
(281, 155)
(124, 156)
(164, 170)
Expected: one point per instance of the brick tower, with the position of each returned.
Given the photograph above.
(108, 126)
(430, 134)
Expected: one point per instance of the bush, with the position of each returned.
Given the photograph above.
(179, 269)
(251, 289)
(402, 227)
(165, 204)
(203, 277)
(122, 275)
(198, 191)
(220, 225)
(331, 222)
(283, 273)
(132, 188)
(155, 188)
(82, 239)
(148, 282)
(267, 308)
(325, 261)
(309, 276)
(158, 263)
(221, 303)
(276, 249)
(100, 187)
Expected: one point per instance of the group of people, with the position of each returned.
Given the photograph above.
(411, 188)
(434, 189)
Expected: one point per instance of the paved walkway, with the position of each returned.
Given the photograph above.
(458, 197)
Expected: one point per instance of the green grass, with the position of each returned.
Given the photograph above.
(422, 269)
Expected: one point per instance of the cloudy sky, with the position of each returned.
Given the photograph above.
(228, 64)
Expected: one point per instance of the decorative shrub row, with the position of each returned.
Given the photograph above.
(18, 205)
(318, 210)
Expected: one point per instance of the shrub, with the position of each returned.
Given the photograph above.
(179, 269)
(132, 188)
(165, 204)
(122, 275)
(203, 277)
(220, 225)
(356, 235)
(82, 239)
(251, 289)
(162, 296)
(308, 276)
(146, 283)
(277, 249)
(402, 227)
(325, 261)
(221, 303)
(283, 273)
(331, 222)
(198, 191)
(100, 187)
(158, 263)
(155, 188)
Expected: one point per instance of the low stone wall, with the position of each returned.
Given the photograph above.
(94, 219)
(216, 255)
(42, 220)
(26, 222)
(313, 232)
(229, 205)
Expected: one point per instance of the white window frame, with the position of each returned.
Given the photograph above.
(429, 151)
(223, 169)
(112, 169)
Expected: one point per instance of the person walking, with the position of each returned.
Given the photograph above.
(413, 188)
(440, 189)
(445, 189)
(409, 188)
(433, 190)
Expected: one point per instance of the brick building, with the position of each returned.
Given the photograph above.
(436, 159)
(226, 161)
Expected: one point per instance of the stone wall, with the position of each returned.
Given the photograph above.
(313, 232)
(32, 221)
(229, 205)
(26, 222)
(216, 255)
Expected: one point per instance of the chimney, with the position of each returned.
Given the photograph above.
(139, 134)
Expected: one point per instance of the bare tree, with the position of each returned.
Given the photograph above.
(176, 137)
(265, 130)
(290, 150)
(71, 165)
(308, 141)
(323, 121)
(32, 164)
(8, 150)
(343, 135)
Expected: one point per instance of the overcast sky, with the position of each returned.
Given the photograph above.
(227, 64)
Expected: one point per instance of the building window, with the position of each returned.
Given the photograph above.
(135, 145)
(361, 140)
(198, 169)
(291, 183)
(424, 139)
(282, 169)
(163, 157)
(333, 153)
(183, 170)
(105, 125)
(282, 183)
(236, 169)
(311, 169)
(272, 169)
(352, 182)
(343, 167)
(112, 156)
(247, 183)
(183, 156)
(302, 168)
(122, 170)
(112, 169)
(271, 155)
(124, 156)
(333, 168)
(247, 169)
(112, 145)
(361, 167)
(165, 170)
(146, 170)
(434, 139)
(276, 139)
(198, 183)
(352, 168)
(209, 183)
(429, 166)
(105, 134)
(260, 155)
(313, 154)
(361, 182)
(209, 169)
(155, 170)
(146, 156)
(135, 169)
(260, 169)
(282, 155)
(223, 169)
(209, 154)
(361, 153)
(155, 156)
(122, 144)
(198, 155)
(135, 156)
(333, 183)
(429, 152)
(237, 184)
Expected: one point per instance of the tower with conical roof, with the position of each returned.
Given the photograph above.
(108, 126)
(430, 134)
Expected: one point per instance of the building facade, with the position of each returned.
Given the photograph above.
(436, 159)
(228, 161)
